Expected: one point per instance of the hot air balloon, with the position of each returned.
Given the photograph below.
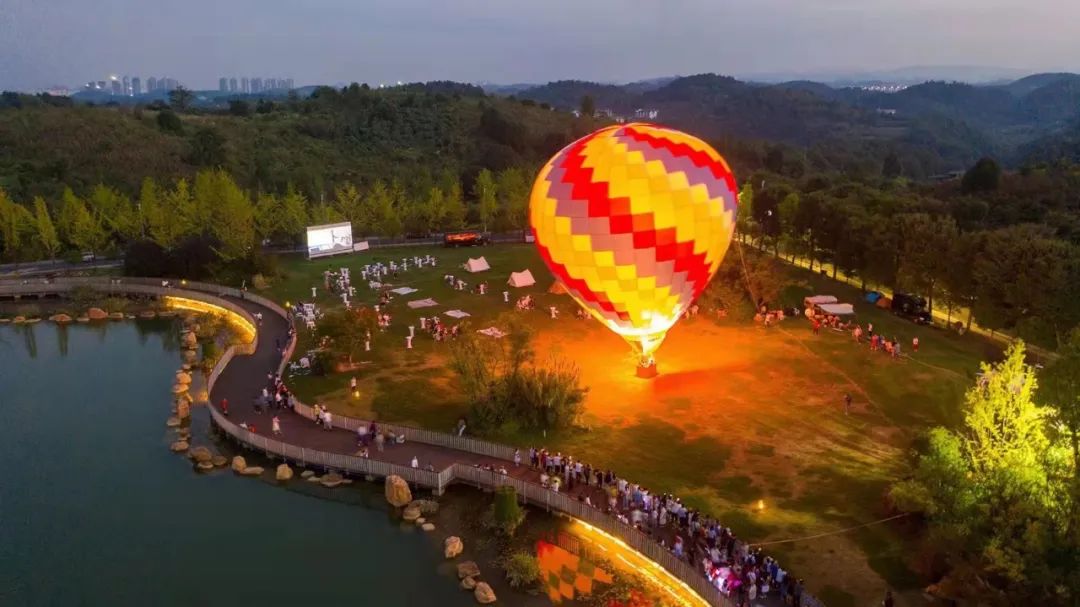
(634, 220)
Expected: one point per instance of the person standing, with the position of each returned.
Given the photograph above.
(888, 601)
(225, 407)
(276, 426)
(847, 403)
(915, 344)
(517, 457)
(415, 463)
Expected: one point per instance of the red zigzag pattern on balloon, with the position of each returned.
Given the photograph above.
(621, 221)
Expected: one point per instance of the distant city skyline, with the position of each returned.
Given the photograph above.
(384, 41)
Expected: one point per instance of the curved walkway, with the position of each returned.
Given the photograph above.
(241, 378)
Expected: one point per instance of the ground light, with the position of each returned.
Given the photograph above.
(615, 548)
(247, 330)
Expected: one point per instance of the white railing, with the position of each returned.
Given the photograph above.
(352, 465)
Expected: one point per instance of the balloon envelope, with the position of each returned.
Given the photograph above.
(634, 220)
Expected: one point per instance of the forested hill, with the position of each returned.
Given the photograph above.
(411, 135)
(939, 126)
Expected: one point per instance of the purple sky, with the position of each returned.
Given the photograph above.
(46, 42)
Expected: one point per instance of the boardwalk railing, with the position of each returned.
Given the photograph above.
(534, 493)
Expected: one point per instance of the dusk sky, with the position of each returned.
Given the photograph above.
(67, 42)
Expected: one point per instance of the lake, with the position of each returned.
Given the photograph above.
(95, 509)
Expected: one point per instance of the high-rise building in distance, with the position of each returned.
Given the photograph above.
(170, 84)
(136, 86)
(256, 85)
(117, 87)
(151, 84)
(127, 86)
(232, 85)
(245, 86)
(223, 85)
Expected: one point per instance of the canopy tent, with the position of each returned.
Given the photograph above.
(873, 296)
(523, 278)
(476, 265)
(456, 313)
(816, 300)
(404, 290)
(837, 309)
(557, 288)
(423, 303)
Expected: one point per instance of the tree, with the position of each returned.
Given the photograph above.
(453, 208)
(207, 148)
(487, 201)
(512, 190)
(1018, 273)
(386, 217)
(346, 330)
(46, 231)
(1059, 389)
(239, 107)
(431, 214)
(891, 167)
(115, 213)
(925, 257)
(86, 232)
(983, 176)
(15, 222)
(588, 106)
(744, 217)
(351, 205)
(996, 493)
(170, 215)
(181, 98)
(169, 122)
(226, 210)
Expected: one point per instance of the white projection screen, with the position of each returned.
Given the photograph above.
(329, 239)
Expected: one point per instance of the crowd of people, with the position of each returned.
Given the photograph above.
(740, 572)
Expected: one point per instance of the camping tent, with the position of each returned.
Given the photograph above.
(816, 300)
(873, 296)
(523, 278)
(557, 288)
(884, 303)
(837, 309)
(422, 303)
(476, 265)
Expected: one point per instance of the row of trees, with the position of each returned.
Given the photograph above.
(212, 204)
(1001, 495)
(1020, 277)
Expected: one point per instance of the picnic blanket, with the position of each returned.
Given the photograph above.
(404, 290)
(492, 332)
(423, 303)
(456, 313)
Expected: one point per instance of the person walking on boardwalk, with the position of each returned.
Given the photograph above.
(225, 407)
(276, 426)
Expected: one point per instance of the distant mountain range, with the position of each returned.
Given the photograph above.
(957, 122)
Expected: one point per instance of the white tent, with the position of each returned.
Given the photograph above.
(837, 309)
(423, 303)
(476, 265)
(523, 278)
(816, 300)
(404, 290)
(456, 313)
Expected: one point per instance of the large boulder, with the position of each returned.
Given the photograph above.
(427, 507)
(468, 583)
(183, 409)
(252, 471)
(239, 464)
(428, 526)
(467, 569)
(410, 514)
(307, 474)
(397, 491)
(283, 473)
(179, 446)
(188, 339)
(332, 479)
(219, 460)
(452, 547)
(97, 314)
(172, 422)
(183, 378)
(201, 454)
(60, 318)
(147, 314)
(116, 315)
(483, 593)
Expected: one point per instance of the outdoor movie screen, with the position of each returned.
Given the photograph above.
(329, 239)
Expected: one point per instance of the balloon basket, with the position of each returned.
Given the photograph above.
(647, 370)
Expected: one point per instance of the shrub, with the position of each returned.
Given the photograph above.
(522, 569)
(505, 514)
(169, 122)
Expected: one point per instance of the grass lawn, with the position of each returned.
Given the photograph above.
(739, 413)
